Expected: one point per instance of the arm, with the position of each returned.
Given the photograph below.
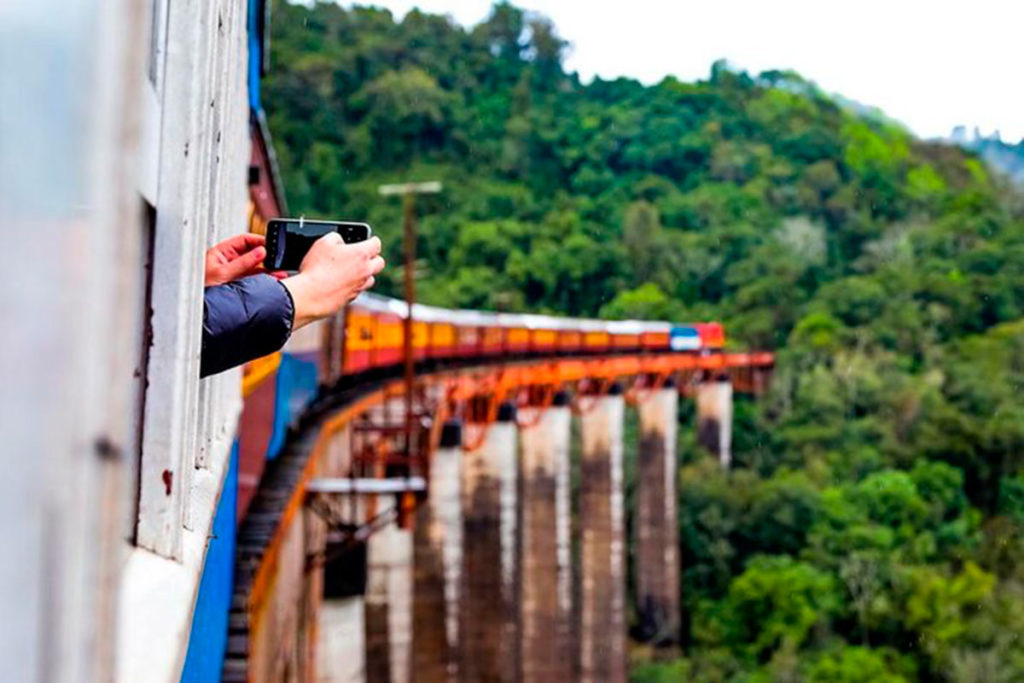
(243, 320)
(254, 316)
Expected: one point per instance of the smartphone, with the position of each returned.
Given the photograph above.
(288, 239)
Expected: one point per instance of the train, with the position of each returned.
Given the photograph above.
(373, 335)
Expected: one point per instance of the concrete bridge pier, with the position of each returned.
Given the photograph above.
(656, 525)
(437, 550)
(714, 417)
(602, 625)
(388, 617)
(545, 615)
(488, 618)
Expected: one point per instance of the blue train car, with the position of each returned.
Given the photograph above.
(684, 338)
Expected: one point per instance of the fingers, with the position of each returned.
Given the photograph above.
(241, 244)
(371, 246)
(376, 265)
(370, 281)
(249, 263)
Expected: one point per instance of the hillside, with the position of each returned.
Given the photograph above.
(873, 529)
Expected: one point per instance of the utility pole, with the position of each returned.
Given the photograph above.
(408, 192)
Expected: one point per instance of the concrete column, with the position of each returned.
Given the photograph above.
(488, 614)
(438, 564)
(714, 418)
(546, 604)
(341, 653)
(602, 632)
(389, 605)
(655, 522)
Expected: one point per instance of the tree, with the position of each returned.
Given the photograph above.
(641, 234)
(776, 601)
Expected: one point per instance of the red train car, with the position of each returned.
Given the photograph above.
(468, 329)
(712, 335)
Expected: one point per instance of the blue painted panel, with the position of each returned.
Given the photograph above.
(684, 338)
(296, 388)
(208, 640)
(255, 52)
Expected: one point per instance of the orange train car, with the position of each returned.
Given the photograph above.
(543, 333)
(625, 334)
(373, 333)
(517, 333)
(654, 336)
(596, 338)
(570, 337)
(433, 332)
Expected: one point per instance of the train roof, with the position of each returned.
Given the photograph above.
(655, 326)
(532, 321)
(625, 326)
(379, 304)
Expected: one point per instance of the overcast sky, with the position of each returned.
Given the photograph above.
(931, 65)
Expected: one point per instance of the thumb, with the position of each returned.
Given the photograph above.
(246, 264)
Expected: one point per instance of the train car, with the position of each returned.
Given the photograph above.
(334, 349)
(684, 338)
(570, 336)
(360, 325)
(517, 332)
(493, 334)
(625, 334)
(543, 333)
(302, 368)
(367, 343)
(712, 335)
(439, 328)
(596, 338)
(468, 329)
(421, 336)
(654, 336)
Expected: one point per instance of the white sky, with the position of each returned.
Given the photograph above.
(930, 64)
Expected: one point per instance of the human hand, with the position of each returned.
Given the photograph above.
(234, 258)
(331, 275)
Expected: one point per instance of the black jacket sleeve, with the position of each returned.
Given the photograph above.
(242, 320)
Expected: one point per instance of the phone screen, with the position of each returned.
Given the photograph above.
(289, 239)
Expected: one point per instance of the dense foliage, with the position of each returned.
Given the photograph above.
(873, 527)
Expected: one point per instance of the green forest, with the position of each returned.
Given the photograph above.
(872, 527)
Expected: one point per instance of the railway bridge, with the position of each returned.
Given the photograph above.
(491, 543)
